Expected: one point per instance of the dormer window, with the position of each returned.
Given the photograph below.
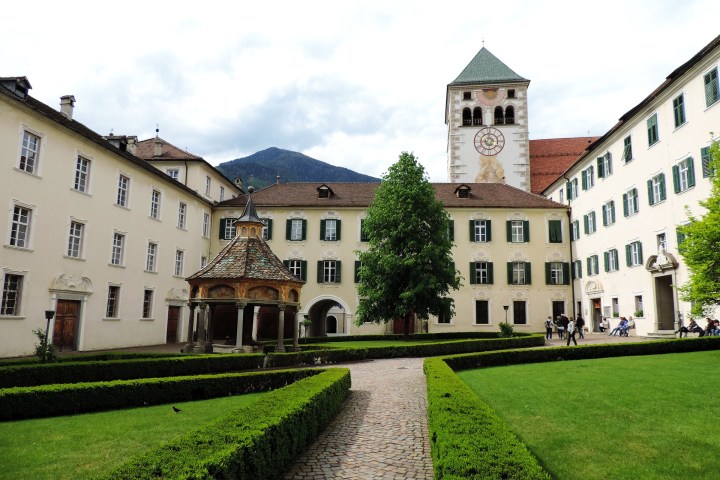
(324, 191)
(18, 86)
(463, 191)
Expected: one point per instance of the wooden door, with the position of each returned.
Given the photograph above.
(172, 324)
(66, 319)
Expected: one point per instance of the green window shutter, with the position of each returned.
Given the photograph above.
(612, 211)
(608, 155)
(663, 195)
(509, 273)
(338, 228)
(286, 263)
(555, 227)
(338, 271)
(606, 258)
(676, 178)
(568, 188)
(605, 215)
(472, 230)
(691, 172)
(490, 273)
(473, 274)
(680, 236)
(548, 274)
(586, 224)
(650, 192)
(320, 271)
(304, 229)
(488, 230)
(600, 167)
(583, 176)
(566, 273)
(288, 228)
(322, 229)
(628, 255)
(451, 230)
(303, 270)
(357, 271)
(588, 265)
(625, 205)
(528, 274)
(508, 228)
(640, 254)
(222, 228)
(705, 159)
(526, 231)
(268, 223)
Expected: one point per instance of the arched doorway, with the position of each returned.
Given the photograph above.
(328, 316)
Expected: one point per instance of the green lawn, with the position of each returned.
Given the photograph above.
(650, 417)
(83, 446)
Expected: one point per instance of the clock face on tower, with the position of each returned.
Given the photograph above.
(489, 141)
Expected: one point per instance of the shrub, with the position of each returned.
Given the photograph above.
(506, 330)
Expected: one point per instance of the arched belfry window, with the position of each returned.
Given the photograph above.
(499, 118)
(477, 116)
(510, 115)
(467, 117)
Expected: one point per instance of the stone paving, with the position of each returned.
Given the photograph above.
(381, 432)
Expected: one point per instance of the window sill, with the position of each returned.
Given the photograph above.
(147, 319)
(80, 192)
(179, 276)
(184, 229)
(22, 249)
(12, 317)
(124, 207)
(482, 324)
(116, 266)
(151, 271)
(686, 190)
(77, 259)
(157, 219)
(111, 319)
(25, 172)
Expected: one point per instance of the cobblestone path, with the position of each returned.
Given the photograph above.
(381, 432)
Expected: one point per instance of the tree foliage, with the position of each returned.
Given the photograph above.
(408, 268)
(701, 248)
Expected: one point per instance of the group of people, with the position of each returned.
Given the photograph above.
(623, 328)
(566, 326)
(711, 328)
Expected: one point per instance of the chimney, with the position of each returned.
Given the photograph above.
(67, 103)
(132, 144)
(158, 148)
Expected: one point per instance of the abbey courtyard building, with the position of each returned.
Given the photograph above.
(104, 231)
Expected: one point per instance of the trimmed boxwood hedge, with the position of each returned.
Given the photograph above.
(316, 356)
(456, 347)
(412, 336)
(467, 438)
(65, 399)
(258, 441)
(89, 357)
(106, 370)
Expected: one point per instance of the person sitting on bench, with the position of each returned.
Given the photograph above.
(619, 328)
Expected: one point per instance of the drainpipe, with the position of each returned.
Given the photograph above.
(572, 266)
(186, 172)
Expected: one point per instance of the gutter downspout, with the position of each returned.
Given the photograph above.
(186, 172)
(570, 240)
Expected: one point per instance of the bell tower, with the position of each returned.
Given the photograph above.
(487, 118)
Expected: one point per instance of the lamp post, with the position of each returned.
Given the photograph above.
(49, 314)
(506, 310)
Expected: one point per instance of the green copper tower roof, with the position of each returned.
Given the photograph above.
(486, 68)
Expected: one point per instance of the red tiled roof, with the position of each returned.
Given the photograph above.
(361, 195)
(551, 157)
(146, 151)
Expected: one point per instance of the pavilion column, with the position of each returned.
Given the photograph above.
(191, 324)
(200, 345)
(238, 340)
(256, 310)
(210, 328)
(281, 327)
(296, 328)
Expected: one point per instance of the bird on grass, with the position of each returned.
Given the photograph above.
(176, 409)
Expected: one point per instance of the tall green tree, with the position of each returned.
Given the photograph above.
(700, 248)
(408, 268)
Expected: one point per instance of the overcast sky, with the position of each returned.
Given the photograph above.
(351, 83)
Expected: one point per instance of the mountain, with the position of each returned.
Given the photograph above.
(262, 168)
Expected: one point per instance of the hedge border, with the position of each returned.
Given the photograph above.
(469, 440)
(67, 399)
(255, 442)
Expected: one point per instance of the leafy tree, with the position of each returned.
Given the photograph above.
(408, 268)
(700, 249)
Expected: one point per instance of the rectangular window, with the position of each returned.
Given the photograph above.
(179, 258)
(329, 230)
(481, 273)
(639, 311)
(112, 301)
(555, 230)
(147, 304)
(572, 189)
(683, 175)
(561, 196)
(20, 229)
(575, 230)
(173, 173)
(151, 260)
(30, 153)
(630, 202)
(519, 312)
(679, 110)
(482, 312)
(480, 231)
(118, 246)
(712, 89)
(604, 165)
(592, 265)
(297, 268)
(608, 213)
(611, 260)
(222, 193)
(208, 184)
(267, 228)
(588, 178)
(556, 273)
(519, 273)
(589, 223)
(82, 175)
(518, 231)
(363, 234)
(656, 189)
(227, 228)
(577, 269)
(627, 149)
(123, 191)
(661, 239)
(451, 230)
(652, 130)
(182, 215)
(75, 239)
(445, 311)
(358, 266)
(155, 204)
(633, 254)
(615, 307)
(203, 261)
(11, 294)
(206, 225)
(296, 229)
(328, 271)
(708, 168)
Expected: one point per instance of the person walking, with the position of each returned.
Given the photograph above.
(560, 326)
(548, 328)
(580, 324)
(570, 330)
